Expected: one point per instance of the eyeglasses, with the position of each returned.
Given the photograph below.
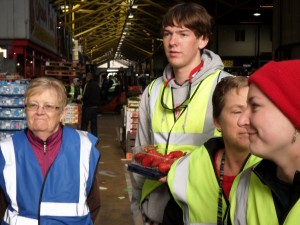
(46, 107)
(183, 105)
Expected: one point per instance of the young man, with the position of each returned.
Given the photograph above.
(176, 110)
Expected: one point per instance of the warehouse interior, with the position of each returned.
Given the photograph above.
(122, 38)
(129, 31)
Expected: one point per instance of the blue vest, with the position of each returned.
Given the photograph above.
(60, 197)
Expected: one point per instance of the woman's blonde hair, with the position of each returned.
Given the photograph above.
(40, 84)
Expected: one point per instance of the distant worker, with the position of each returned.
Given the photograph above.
(75, 91)
(107, 83)
(91, 102)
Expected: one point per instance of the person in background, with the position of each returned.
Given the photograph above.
(48, 171)
(175, 111)
(90, 104)
(75, 91)
(107, 83)
(269, 193)
(200, 182)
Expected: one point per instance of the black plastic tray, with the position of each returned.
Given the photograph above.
(149, 173)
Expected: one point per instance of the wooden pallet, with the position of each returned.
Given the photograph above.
(60, 73)
(60, 68)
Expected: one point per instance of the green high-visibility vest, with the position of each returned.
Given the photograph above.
(198, 123)
(194, 185)
(252, 203)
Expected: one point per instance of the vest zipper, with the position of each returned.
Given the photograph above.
(45, 147)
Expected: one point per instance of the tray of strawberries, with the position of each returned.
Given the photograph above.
(147, 161)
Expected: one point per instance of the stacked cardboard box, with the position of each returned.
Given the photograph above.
(131, 119)
(73, 114)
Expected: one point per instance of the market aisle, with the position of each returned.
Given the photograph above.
(115, 184)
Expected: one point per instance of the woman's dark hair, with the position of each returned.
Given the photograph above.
(224, 86)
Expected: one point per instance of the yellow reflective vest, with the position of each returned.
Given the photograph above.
(194, 184)
(252, 202)
(192, 128)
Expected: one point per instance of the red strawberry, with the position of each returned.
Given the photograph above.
(147, 160)
(139, 157)
(156, 161)
(164, 167)
(175, 155)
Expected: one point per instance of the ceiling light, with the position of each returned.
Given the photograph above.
(112, 70)
(134, 6)
(256, 13)
(266, 6)
(130, 16)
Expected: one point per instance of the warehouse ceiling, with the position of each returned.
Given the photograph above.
(106, 30)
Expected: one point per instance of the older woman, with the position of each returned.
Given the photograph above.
(270, 192)
(47, 171)
(201, 181)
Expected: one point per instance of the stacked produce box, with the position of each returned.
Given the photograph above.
(12, 112)
(73, 114)
(131, 117)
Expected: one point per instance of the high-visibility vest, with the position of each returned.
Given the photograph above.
(60, 197)
(198, 122)
(194, 185)
(252, 203)
(193, 126)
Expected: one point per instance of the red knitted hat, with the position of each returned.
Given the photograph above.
(280, 82)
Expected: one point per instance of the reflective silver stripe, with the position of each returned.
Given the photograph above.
(63, 209)
(182, 138)
(180, 185)
(85, 146)
(10, 171)
(15, 219)
(154, 94)
(204, 224)
(240, 214)
(80, 208)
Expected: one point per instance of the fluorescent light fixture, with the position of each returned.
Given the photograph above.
(256, 14)
(130, 16)
(266, 6)
(112, 70)
(4, 52)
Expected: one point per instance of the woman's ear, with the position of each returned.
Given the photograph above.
(217, 124)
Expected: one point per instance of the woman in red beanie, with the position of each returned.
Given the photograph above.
(269, 192)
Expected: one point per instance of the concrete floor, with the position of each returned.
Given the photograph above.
(115, 182)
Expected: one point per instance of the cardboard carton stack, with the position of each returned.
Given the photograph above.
(131, 119)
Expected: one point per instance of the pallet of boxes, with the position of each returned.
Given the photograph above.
(131, 117)
(73, 115)
(63, 69)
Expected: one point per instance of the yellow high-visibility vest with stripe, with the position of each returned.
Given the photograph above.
(252, 203)
(198, 123)
(195, 186)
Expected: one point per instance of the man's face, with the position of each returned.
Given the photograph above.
(182, 47)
